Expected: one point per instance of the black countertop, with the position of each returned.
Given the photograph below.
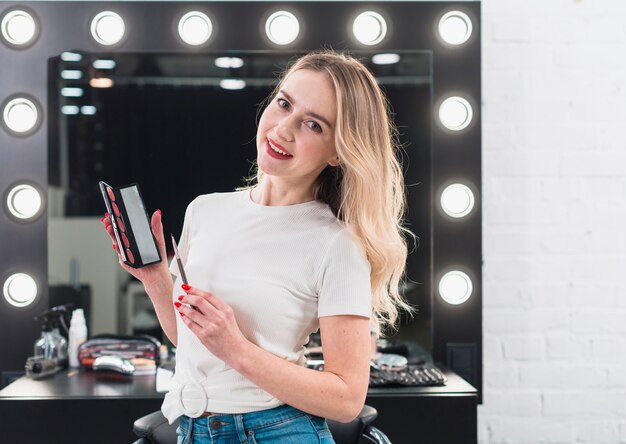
(88, 384)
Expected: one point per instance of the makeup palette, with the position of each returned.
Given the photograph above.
(131, 225)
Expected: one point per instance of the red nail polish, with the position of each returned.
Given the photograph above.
(181, 314)
(177, 304)
(180, 298)
(159, 211)
(106, 214)
(113, 246)
(185, 287)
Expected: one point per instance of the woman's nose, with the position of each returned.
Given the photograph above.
(283, 131)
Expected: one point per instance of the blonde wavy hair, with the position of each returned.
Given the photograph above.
(366, 190)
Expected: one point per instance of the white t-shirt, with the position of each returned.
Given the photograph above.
(279, 268)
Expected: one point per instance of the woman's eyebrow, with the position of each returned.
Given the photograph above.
(317, 116)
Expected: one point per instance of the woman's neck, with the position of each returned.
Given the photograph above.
(269, 194)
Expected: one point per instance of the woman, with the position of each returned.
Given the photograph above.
(316, 242)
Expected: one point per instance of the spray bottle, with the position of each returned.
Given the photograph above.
(58, 320)
(52, 344)
(77, 335)
(46, 346)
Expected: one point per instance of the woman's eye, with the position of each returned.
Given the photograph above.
(316, 127)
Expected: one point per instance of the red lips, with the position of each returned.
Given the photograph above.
(280, 147)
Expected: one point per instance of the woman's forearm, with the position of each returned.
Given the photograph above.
(318, 393)
(161, 296)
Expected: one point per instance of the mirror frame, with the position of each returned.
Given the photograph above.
(411, 25)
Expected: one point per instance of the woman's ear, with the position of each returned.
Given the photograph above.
(334, 162)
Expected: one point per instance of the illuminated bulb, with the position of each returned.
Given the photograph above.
(71, 92)
(455, 287)
(71, 56)
(70, 110)
(232, 84)
(24, 201)
(101, 82)
(385, 59)
(104, 64)
(20, 290)
(229, 62)
(107, 28)
(20, 115)
(455, 113)
(369, 28)
(455, 27)
(88, 110)
(282, 27)
(457, 200)
(195, 28)
(19, 28)
(71, 74)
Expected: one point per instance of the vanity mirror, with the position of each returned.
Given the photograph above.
(174, 124)
(145, 99)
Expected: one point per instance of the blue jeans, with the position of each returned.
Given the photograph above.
(282, 424)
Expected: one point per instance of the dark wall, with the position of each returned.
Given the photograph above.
(412, 25)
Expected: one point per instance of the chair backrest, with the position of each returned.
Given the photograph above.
(350, 432)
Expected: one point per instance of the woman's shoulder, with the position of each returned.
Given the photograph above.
(337, 234)
(215, 198)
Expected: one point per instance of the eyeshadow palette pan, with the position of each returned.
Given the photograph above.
(131, 224)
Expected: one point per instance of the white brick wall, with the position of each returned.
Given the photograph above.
(554, 212)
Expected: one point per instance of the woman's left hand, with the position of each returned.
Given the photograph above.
(213, 322)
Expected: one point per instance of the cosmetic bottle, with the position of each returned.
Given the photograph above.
(52, 344)
(46, 346)
(60, 342)
(77, 335)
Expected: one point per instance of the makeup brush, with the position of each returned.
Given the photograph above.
(179, 262)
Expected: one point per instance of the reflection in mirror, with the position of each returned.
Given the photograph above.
(181, 125)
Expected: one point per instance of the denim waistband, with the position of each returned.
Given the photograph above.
(251, 420)
(279, 424)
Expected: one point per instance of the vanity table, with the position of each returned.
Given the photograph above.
(100, 407)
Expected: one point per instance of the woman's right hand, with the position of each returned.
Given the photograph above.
(153, 275)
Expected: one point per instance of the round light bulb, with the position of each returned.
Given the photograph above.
(101, 82)
(369, 28)
(88, 110)
(107, 28)
(24, 201)
(455, 27)
(21, 116)
(19, 28)
(457, 200)
(282, 27)
(455, 287)
(70, 110)
(388, 58)
(20, 290)
(71, 92)
(71, 74)
(104, 64)
(232, 84)
(455, 113)
(71, 56)
(229, 62)
(195, 28)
